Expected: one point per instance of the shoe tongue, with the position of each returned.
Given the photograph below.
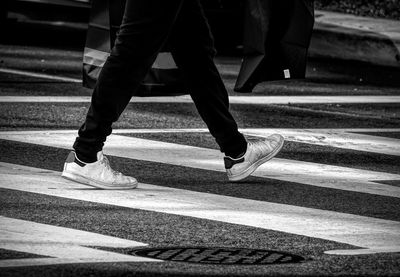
(99, 155)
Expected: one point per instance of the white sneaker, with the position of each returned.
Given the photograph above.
(98, 174)
(257, 153)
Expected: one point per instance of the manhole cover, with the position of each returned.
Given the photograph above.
(216, 255)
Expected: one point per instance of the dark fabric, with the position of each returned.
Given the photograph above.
(105, 19)
(276, 39)
(145, 28)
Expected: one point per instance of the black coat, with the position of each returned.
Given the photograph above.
(277, 36)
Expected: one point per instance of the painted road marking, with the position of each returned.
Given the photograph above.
(39, 75)
(222, 69)
(338, 138)
(314, 174)
(253, 100)
(61, 245)
(373, 235)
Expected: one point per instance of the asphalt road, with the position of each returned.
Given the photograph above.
(335, 184)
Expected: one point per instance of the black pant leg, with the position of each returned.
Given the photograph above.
(145, 28)
(193, 51)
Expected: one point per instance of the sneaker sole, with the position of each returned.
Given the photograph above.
(86, 181)
(253, 167)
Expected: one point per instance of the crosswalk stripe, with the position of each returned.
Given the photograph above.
(338, 138)
(373, 235)
(64, 245)
(252, 100)
(39, 75)
(320, 175)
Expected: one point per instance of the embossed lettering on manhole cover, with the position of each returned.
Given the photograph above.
(216, 255)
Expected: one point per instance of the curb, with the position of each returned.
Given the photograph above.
(349, 37)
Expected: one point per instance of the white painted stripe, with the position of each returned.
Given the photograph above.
(66, 245)
(39, 75)
(87, 99)
(313, 174)
(369, 130)
(373, 234)
(35, 262)
(204, 130)
(313, 99)
(338, 138)
(44, 99)
(253, 100)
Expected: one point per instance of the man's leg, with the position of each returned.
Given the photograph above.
(193, 51)
(145, 28)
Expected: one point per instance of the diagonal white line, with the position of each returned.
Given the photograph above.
(313, 174)
(372, 234)
(64, 245)
(305, 99)
(338, 138)
(87, 99)
(252, 100)
(39, 75)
